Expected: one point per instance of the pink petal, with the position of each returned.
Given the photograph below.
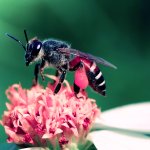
(58, 131)
(47, 136)
(75, 131)
(16, 138)
(65, 125)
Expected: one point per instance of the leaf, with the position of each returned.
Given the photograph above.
(8, 146)
(35, 148)
(87, 146)
(91, 147)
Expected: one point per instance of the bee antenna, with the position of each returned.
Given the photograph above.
(25, 33)
(16, 40)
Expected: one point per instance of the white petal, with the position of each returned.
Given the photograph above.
(131, 120)
(134, 117)
(108, 140)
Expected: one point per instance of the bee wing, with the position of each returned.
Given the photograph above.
(98, 60)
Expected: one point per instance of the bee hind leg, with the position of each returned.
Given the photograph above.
(75, 86)
(76, 89)
(78, 65)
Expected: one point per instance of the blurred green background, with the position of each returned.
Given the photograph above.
(118, 31)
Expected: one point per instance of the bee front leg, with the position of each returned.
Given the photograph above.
(61, 80)
(36, 73)
(39, 67)
(42, 65)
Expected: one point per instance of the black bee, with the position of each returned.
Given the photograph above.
(61, 56)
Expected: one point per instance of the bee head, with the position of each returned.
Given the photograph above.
(32, 52)
(32, 49)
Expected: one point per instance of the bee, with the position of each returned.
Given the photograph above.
(60, 55)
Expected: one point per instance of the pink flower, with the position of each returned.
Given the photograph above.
(37, 115)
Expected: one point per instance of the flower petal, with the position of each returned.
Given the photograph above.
(135, 117)
(36, 115)
(108, 140)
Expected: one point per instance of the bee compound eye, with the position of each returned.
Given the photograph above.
(38, 46)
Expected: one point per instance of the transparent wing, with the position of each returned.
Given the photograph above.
(87, 56)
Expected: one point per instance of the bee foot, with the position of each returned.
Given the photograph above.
(34, 83)
(43, 79)
(76, 95)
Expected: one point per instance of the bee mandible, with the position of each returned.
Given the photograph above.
(60, 55)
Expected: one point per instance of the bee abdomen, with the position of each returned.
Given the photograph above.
(100, 83)
(96, 79)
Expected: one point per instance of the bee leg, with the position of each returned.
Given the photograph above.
(39, 67)
(78, 65)
(76, 89)
(61, 80)
(36, 72)
(42, 65)
(57, 75)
